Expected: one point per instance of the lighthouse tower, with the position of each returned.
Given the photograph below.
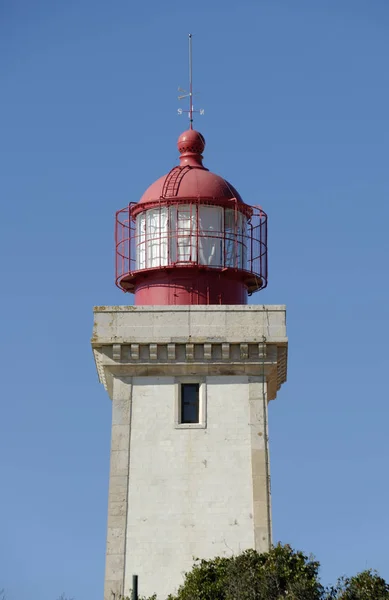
(190, 369)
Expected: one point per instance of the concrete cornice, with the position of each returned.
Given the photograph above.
(195, 324)
(131, 341)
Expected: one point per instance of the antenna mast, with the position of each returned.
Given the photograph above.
(190, 83)
(189, 95)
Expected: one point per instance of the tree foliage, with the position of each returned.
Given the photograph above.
(367, 585)
(280, 573)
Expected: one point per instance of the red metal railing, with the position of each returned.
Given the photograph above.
(180, 234)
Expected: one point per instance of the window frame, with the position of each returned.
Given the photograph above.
(202, 422)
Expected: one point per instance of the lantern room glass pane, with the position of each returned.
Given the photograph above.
(140, 241)
(210, 236)
(152, 238)
(235, 246)
(229, 237)
(183, 227)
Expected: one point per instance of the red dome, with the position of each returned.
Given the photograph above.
(191, 179)
(195, 183)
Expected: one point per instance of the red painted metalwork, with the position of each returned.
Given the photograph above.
(189, 286)
(191, 145)
(169, 250)
(172, 182)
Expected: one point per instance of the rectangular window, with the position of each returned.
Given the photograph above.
(190, 402)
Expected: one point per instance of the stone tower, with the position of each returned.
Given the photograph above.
(190, 370)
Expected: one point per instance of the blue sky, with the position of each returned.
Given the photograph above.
(296, 94)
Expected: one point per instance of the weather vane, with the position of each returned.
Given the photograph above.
(189, 94)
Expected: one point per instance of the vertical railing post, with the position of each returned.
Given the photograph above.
(197, 259)
(116, 247)
(135, 587)
(251, 248)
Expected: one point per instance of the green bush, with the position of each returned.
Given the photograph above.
(280, 573)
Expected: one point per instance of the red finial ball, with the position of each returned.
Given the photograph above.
(191, 141)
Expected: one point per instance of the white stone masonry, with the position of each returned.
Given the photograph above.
(179, 491)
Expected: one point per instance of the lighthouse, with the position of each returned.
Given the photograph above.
(190, 368)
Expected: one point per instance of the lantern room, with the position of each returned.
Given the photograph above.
(191, 239)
